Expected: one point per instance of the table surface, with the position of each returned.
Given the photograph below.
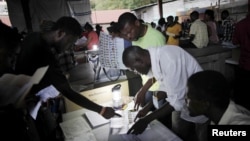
(156, 131)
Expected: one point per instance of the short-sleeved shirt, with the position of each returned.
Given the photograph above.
(199, 30)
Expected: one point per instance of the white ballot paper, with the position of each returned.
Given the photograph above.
(44, 94)
(95, 119)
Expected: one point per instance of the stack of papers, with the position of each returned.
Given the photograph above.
(95, 119)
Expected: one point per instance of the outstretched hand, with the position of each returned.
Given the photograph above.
(139, 99)
(140, 114)
(138, 127)
(109, 113)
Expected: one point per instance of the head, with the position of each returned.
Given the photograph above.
(170, 19)
(153, 24)
(209, 15)
(176, 19)
(194, 16)
(224, 14)
(113, 30)
(207, 90)
(137, 59)
(65, 31)
(129, 26)
(161, 21)
(98, 27)
(9, 44)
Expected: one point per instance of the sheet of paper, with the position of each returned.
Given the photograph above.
(117, 122)
(77, 129)
(44, 95)
(110, 51)
(95, 119)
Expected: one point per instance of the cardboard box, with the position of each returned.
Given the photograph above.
(99, 95)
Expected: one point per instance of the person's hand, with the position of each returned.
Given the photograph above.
(143, 112)
(139, 99)
(138, 127)
(108, 112)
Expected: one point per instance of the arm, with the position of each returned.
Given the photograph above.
(191, 37)
(236, 35)
(142, 123)
(55, 77)
(144, 110)
(140, 95)
(192, 32)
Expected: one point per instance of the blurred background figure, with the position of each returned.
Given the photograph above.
(92, 37)
(241, 38)
(173, 31)
(228, 26)
(98, 29)
(211, 25)
(10, 40)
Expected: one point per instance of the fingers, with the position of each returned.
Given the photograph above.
(117, 115)
(133, 131)
(136, 117)
(136, 107)
(129, 131)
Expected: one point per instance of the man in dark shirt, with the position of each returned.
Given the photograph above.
(241, 37)
(37, 52)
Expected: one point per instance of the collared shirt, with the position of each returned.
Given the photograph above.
(171, 66)
(228, 29)
(235, 115)
(199, 30)
(152, 38)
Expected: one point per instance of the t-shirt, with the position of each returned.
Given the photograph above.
(176, 29)
(94, 39)
(199, 30)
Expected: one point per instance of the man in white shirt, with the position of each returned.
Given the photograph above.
(198, 33)
(209, 94)
(171, 66)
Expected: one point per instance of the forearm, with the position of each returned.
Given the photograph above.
(81, 100)
(148, 106)
(149, 83)
(166, 109)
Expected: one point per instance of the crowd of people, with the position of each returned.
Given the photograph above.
(142, 57)
(193, 32)
(174, 87)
